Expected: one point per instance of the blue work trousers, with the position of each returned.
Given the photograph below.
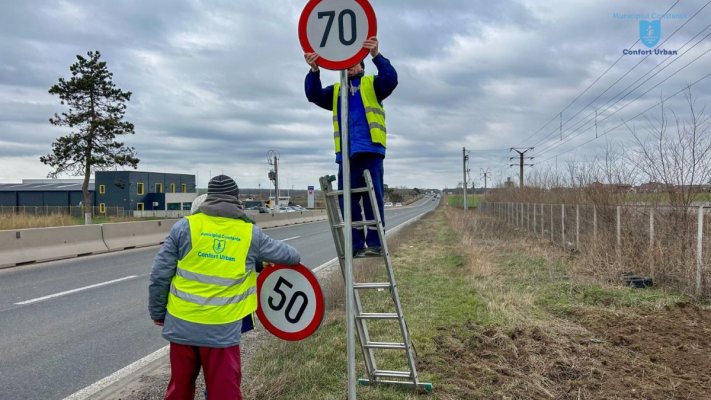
(360, 202)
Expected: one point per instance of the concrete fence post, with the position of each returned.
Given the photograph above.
(552, 238)
(511, 210)
(619, 233)
(595, 225)
(535, 231)
(651, 227)
(562, 225)
(577, 226)
(699, 252)
(528, 216)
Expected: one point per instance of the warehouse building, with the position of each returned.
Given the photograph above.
(43, 193)
(144, 191)
(126, 190)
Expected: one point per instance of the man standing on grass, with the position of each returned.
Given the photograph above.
(203, 291)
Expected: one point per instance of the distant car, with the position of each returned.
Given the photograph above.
(398, 204)
(261, 209)
(388, 204)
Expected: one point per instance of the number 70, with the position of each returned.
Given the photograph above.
(341, 31)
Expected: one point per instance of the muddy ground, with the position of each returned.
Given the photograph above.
(593, 354)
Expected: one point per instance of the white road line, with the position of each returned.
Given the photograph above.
(91, 390)
(291, 238)
(124, 372)
(51, 296)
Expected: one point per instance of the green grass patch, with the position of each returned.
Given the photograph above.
(467, 303)
(458, 200)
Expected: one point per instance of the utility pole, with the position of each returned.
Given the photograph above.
(521, 157)
(273, 160)
(465, 162)
(485, 174)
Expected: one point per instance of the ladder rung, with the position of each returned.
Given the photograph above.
(354, 224)
(377, 316)
(368, 222)
(386, 345)
(392, 374)
(371, 285)
(340, 192)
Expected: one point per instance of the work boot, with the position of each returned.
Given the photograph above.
(375, 251)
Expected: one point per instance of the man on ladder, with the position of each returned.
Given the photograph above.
(367, 134)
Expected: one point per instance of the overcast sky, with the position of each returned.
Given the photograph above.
(217, 84)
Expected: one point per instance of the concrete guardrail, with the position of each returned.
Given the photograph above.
(24, 246)
(44, 244)
(128, 235)
(281, 219)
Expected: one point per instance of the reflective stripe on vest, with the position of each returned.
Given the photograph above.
(374, 113)
(211, 285)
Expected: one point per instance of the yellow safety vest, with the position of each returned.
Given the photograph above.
(211, 285)
(374, 113)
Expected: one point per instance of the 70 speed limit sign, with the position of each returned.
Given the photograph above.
(290, 301)
(336, 30)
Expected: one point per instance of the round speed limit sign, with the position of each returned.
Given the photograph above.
(290, 301)
(336, 30)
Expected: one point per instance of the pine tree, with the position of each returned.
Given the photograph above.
(95, 116)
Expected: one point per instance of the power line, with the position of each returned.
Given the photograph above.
(583, 121)
(625, 122)
(569, 138)
(596, 121)
(593, 83)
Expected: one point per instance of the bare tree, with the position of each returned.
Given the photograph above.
(677, 152)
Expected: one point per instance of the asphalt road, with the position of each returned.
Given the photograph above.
(67, 324)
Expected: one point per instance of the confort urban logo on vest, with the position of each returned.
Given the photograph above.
(219, 244)
(650, 31)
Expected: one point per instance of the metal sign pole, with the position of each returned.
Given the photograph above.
(348, 237)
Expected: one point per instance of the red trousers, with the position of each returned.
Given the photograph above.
(221, 368)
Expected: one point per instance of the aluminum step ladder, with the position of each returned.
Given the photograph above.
(407, 376)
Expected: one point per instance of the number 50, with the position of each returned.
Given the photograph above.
(290, 306)
(341, 31)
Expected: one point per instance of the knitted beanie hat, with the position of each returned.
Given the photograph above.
(222, 184)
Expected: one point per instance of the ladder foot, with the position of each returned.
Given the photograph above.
(424, 386)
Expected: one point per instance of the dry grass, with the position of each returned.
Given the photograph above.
(669, 259)
(27, 221)
(494, 314)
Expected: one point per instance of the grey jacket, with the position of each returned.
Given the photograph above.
(176, 247)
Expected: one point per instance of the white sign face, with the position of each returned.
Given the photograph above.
(336, 30)
(290, 301)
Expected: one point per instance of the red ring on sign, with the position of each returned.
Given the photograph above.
(318, 317)
(334, 64)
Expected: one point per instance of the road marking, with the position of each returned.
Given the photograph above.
(124, 372)
(51, 296)
(291, 238)
(89, 391)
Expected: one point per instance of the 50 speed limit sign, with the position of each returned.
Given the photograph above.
(336, 30)
(290, 301)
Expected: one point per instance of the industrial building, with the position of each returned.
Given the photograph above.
(43, 193)
(127, 190)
